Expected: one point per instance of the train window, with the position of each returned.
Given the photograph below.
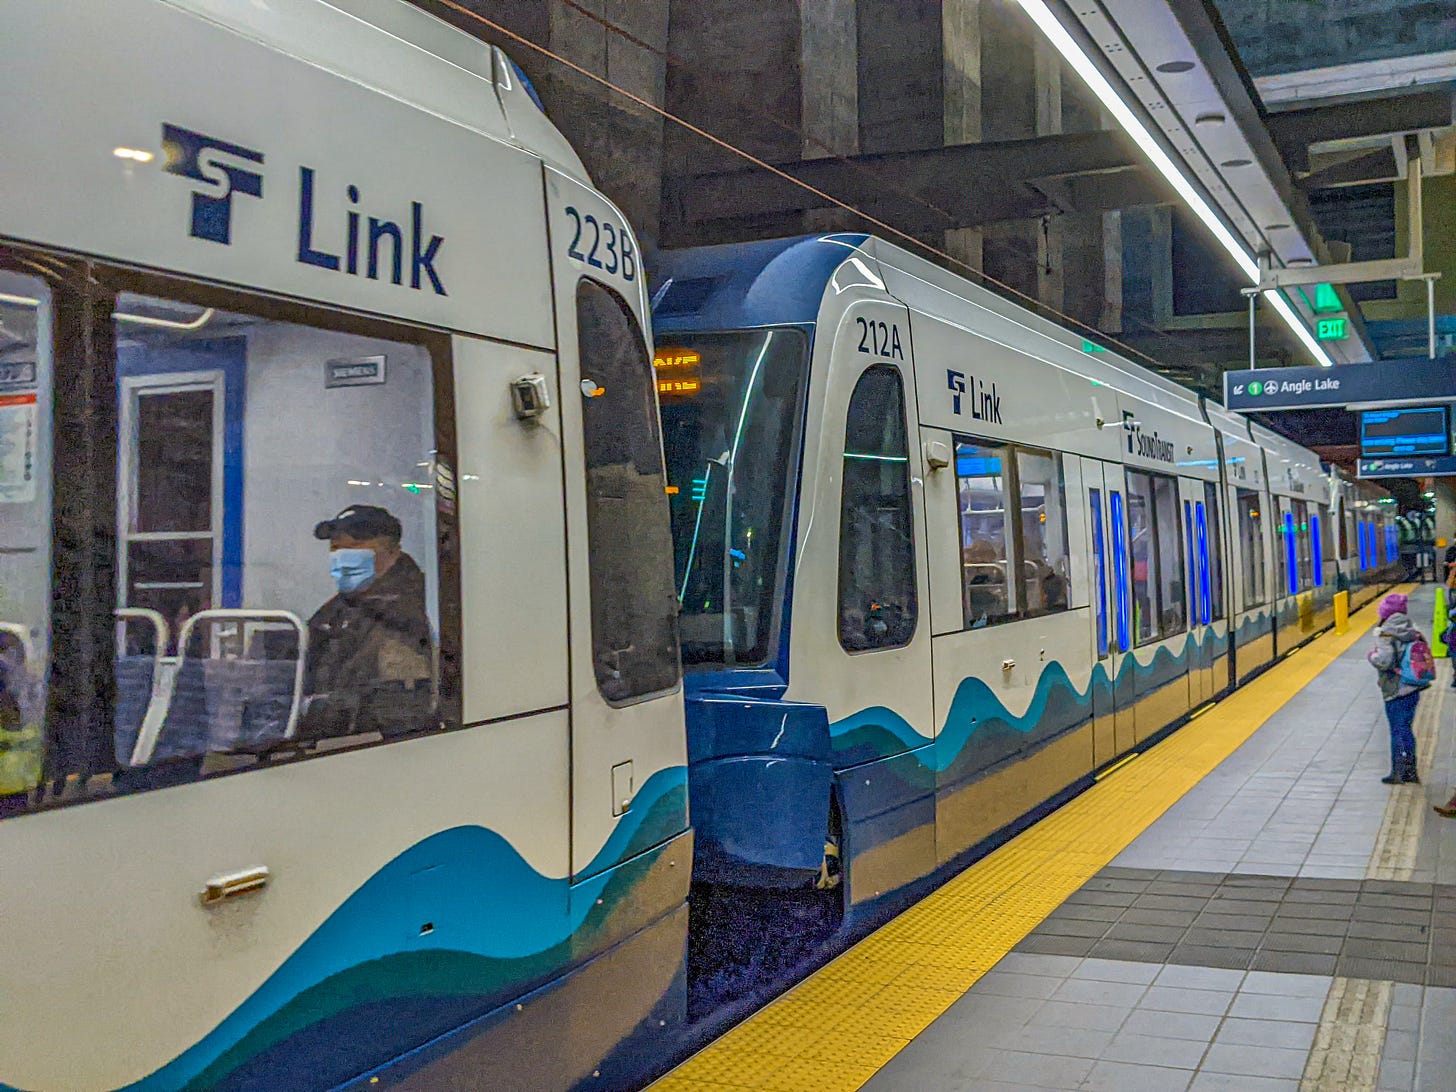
(1143, 551)
(1172, 586)
(265, 584)
(1303, 539)
(1318, 531)
(878, 601)
(1045, 567)
(629, 544)
(731, 518)
(1099, 569)
(1159, 596)
(25, 531)
(983, 488)
(1251, 548)
(1215, 550)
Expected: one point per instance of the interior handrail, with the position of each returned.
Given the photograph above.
(240, 613)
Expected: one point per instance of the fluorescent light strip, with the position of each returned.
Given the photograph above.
(1083, 65)
(1291, 317)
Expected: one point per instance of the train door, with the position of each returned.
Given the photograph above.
(862, 640)
(1112, 724)
(628, 768)
(1204, 638)
(180, 479)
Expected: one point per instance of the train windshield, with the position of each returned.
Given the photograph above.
(731, 412)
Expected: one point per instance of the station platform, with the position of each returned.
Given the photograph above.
(1244, 906)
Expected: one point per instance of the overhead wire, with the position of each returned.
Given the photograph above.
(1037, 305)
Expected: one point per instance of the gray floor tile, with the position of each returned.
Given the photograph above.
(1399, 1044)
(1275, 1033)
(1397, 1073)
(1064, 1042)
(1227, 1082)
(1047, 965)
(1010, 984)
(1265, 1006)
(1175, 999)
(1155, 1050)
(1112, 970)
(1111, 1076)
(1172, 1025)
(1042, 1070)
(1255, 1061)
(1287, 985)
(1118, 994)
(1200, 978)
(1066, 1014)
(988, 1011)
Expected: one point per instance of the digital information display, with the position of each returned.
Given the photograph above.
(679, 372)
(1405, 432)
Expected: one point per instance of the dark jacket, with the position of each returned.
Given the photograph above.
(370, 658)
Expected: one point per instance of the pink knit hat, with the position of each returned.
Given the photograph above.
(1394, 603)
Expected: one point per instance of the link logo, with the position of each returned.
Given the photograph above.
(222, 168)
(985, 401)
(334, 232)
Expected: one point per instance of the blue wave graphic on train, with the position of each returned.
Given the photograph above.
(1057, 704)
(372, 973)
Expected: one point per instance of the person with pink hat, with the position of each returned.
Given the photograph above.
(1403, 673)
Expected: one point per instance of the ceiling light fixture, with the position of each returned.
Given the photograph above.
(1092, 76)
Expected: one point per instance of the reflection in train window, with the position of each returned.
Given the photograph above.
(1251, 548)
(878, 599)
(1214, 530)
(1160, 606)
(25, 531)
(1045, 565)
(984, 491)
(277, 566)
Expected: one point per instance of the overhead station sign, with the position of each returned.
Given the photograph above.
(1432, 467)
(1392, 383)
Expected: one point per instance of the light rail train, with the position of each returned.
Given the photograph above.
(343, 739)
(270, 274)
(939, 563)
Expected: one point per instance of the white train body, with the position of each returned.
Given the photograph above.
(969, 668)
(333, 237)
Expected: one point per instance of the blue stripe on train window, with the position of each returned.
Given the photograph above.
(1099, 559)
(1120, 573)
(1291, 554)
(1193, 616)
(1319, 551)
(1205, 586)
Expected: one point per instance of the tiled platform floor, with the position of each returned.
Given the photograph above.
(1251, 938)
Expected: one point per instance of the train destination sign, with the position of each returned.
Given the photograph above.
(1391, 383)
(1434, 466)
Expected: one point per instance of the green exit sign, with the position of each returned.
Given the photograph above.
(1332, 329)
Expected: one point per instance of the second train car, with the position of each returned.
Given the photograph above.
(938, 563)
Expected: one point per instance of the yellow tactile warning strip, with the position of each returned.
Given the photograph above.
(834, 1031)
(1399, 840)
(1347, 1048)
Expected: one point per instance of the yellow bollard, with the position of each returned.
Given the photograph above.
(1342, 612)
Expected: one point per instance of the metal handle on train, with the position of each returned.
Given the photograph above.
(1007, 665)
(231, 885)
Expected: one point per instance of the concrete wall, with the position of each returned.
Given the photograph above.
(1277, 36)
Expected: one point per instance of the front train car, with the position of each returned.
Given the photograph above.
(937, 563)
(341, 723)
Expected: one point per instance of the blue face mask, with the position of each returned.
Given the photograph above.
(351, 569)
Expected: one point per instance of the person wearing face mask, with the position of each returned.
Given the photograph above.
(370, 651)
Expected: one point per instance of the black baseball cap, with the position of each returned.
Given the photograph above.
(360, 521)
